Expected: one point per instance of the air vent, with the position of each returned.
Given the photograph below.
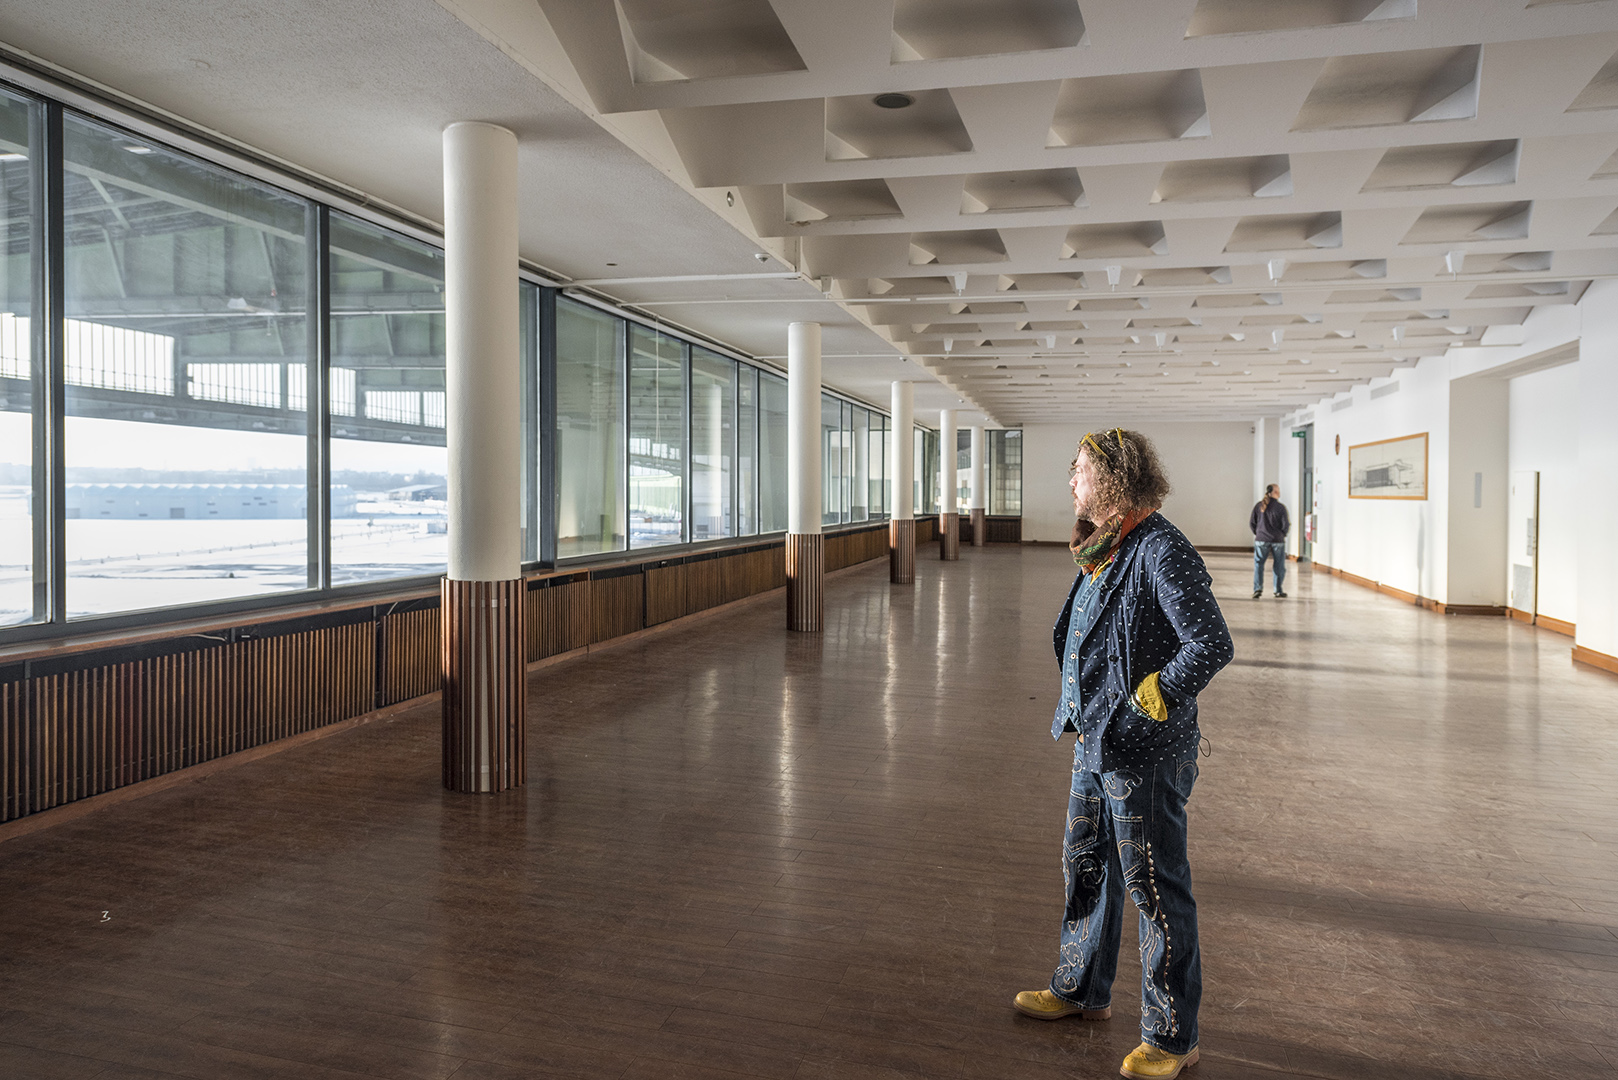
(857, 127)
(1384, 391)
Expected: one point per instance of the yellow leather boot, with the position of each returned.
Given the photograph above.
(1147, 1062)
(1044, 1005)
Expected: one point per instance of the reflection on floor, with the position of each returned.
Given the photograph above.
(744, 853)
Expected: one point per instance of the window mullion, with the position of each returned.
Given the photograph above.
(317, 414)
(50, 371)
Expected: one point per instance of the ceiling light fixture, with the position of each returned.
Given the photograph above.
(1115, 274)
(1277, 268)
(1452, 262)
(949, 343)
(960, 282)
(893, 101)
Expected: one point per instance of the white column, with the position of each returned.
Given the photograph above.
(803, 428)
(805, 555)
(980, 470)
(481, 598)
(948, 475)
(903, 451)
(902, 511)
(483, 421)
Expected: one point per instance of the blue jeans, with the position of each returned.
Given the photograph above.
(1277, 550)
(1128, 829)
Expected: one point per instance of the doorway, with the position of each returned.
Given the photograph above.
(1522, 543)
(1306, 491)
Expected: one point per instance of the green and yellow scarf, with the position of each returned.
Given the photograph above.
(1093, 545)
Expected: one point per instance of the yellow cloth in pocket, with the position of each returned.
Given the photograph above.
(1150, 698)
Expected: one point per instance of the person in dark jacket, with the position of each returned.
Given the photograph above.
(1270, 525)
(1138, 639)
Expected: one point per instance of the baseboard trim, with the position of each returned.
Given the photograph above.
(1413, 598)
(1556, 626)
(1582, 655)
(1225, 549)
(1520, 615)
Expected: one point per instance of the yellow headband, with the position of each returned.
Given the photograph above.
(1091, 439)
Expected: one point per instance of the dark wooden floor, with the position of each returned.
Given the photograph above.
(748, 854)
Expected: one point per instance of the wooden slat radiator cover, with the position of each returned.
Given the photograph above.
(949, 536)
(73, 726)
(902, 552)
(485, 683)
(806, 581)
(89, 727)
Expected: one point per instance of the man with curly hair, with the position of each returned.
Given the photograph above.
(1138, 639)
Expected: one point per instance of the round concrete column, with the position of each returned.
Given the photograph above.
(949, 516)
(805, 554)
(482, 596)
(979, 485)
(901, 451)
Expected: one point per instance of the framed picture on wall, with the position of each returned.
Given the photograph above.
(1389, 468)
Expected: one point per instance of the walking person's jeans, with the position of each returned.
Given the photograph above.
(1276, 549)
(1127, 829)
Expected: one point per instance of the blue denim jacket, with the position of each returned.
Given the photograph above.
(1155, 612)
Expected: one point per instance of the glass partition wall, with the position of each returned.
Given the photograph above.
(1005, 472)
(21, 376)
(241, 397)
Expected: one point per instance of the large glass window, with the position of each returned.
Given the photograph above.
(879, 465)
(589, 462)
(713, 429)
(1005, 472)
(185, 343)
(772, 453)
(656, 438)
(19, 371)
(927, 472)
(833, 490)
(859, 440)
(746, 450)
(963, 469)
(389, 462)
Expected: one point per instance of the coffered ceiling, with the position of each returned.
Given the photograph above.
(1033, 208)
(1169, 208)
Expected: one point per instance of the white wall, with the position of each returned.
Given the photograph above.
(1209, 464)
(1490, 410)
(1478, 490)
(1396, 542)
(1544, 438)
(1598, 470)
(1266, 456)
